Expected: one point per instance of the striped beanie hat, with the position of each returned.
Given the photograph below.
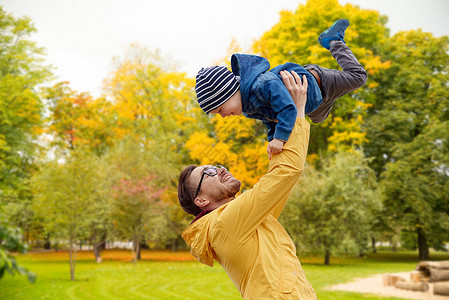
(214, 86)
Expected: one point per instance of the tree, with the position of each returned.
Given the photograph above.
(332, 209)
(407, 129)
(415, 188)
(66, 195)
(135, 197)
(21, 109)
(79, 121)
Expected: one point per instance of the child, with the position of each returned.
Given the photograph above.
(261, 94)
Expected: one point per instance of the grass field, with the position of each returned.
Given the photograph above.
(166, 275)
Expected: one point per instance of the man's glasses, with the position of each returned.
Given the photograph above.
(211, 172)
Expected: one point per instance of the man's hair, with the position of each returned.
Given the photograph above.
(186, 192)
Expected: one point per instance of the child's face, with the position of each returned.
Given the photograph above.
(232, 107)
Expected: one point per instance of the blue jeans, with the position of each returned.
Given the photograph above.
(335, 83)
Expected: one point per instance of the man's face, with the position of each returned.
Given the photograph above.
(218, 188)
(232, 107)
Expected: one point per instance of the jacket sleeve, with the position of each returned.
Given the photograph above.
(282, 103)
(268, 197)
(271, 126)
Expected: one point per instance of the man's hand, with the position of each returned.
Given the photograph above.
(297, 89)
(275, 146)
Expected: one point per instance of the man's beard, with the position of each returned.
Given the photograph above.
(228, 191)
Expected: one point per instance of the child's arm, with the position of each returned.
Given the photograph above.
(275, 145)
(271, 126)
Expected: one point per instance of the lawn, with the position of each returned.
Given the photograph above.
(166, 275)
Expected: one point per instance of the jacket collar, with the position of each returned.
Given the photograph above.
(201, 214)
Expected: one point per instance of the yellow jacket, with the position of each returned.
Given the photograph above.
(245, 237)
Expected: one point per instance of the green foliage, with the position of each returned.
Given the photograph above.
(10, 240)
(65, 193)
(135, 203)
(411, 94)
(331, 211)
(407, 129)
(415, 186)
(21, 71)
(67, 198)
(21, 109)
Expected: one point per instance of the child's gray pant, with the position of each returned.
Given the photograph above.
(335, 83)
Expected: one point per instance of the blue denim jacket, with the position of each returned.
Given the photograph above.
(265, 97)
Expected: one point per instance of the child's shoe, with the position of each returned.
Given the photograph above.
(334, 33)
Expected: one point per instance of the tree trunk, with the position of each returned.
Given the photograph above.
(138, 252)
(71, 259)
(97, 250)
(422, 245)
(99, 244)
(327, 257)
(174, 245)
(393, 246)
(26, 236)
(136, 249)
(361, 252)
(47, 243)
(373, 244)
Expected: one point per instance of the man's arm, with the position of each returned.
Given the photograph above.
(281, 102)
(242, 216)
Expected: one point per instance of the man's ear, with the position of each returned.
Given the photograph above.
(201, 202)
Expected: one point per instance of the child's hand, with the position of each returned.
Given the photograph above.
(275, 146)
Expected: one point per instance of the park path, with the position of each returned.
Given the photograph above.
(374, 285)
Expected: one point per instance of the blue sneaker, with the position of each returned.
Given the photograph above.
(334, 33)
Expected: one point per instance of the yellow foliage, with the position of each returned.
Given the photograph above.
(233, 146)
(312, 158)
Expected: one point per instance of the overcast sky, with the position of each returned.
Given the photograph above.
(82, 36)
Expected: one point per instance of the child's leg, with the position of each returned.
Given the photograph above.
(335, 83)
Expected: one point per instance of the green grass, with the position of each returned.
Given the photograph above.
(178, 278)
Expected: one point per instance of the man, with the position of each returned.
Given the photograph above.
(243, 235)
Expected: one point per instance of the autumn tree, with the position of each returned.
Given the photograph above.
(21, 72)
(78, 120)
(154, 108)
(294, 39)
(407, 131)
(332, 210)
